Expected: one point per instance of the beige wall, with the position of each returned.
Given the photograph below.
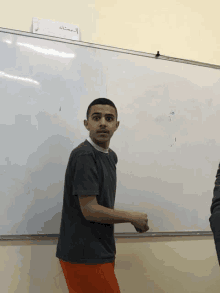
(186, 29)
(183, 29)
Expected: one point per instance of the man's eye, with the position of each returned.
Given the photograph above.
(107, 117)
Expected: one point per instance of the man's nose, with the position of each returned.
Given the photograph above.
(103, 121)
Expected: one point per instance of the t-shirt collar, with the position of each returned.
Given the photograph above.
(97, 147)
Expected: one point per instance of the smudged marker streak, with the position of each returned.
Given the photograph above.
(172, 113)
(172, 144)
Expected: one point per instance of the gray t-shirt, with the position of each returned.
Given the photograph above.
(92, 171)
(89, 172)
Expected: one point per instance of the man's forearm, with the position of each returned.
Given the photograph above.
(105, 215)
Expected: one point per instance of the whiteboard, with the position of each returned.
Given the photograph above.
(167, 142)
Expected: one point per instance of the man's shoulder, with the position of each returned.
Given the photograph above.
(82, 149)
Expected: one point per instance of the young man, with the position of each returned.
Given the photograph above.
(86, 246)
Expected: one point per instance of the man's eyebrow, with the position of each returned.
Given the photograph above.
(101, 113)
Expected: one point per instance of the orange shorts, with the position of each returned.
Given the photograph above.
(82, 278)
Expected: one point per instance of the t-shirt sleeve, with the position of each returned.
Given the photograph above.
(216, 193)
(85, 178)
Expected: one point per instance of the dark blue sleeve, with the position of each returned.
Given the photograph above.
(116, 159)
(215, 214)
(85, 176)
(216, 193)
(215, 226)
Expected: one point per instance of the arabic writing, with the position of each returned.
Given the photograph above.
(67, 29)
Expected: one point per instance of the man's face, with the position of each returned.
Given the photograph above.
(102, 117)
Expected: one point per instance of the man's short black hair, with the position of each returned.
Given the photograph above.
(102, 101)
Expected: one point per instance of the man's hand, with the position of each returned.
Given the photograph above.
(140, 221)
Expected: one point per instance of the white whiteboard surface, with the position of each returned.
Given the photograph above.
(167, 142)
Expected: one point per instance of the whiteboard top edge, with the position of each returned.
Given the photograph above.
(109, 48)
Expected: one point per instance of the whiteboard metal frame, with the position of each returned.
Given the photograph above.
(117, 235)
(108, 48)
(119, 50)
